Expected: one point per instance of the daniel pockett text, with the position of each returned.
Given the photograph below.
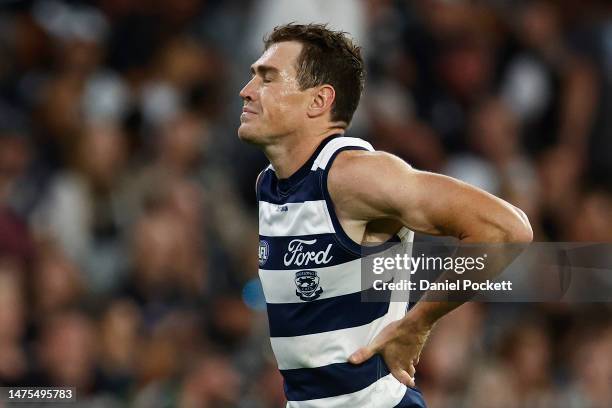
(448, 270)
(382, 265)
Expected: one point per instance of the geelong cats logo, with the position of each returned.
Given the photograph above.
(307, 283)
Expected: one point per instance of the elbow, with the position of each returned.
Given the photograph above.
(512, 229)
(522, 235)
(519, 229)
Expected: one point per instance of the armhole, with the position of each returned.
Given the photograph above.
(404, 235)
(341, 236)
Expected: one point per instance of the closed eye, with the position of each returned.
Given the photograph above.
(267, 73)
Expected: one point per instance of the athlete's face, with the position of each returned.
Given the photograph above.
(274, 105)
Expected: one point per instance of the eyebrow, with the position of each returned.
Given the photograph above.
(263, 69)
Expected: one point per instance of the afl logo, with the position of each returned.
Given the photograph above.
(264, 251)
(307, 283)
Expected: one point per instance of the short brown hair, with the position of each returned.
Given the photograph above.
(327, 57)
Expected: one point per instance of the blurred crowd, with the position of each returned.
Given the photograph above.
(128, 229)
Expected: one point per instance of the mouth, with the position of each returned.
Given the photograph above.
(248, 111)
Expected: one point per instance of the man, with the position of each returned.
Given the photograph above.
(322, 196)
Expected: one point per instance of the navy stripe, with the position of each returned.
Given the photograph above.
(412, 399)
(278, 251)
(332, 380)
(323, 315)
(307, 189)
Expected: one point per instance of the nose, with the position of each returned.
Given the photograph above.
(247, 93)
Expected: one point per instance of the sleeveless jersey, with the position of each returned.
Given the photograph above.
(310, 272)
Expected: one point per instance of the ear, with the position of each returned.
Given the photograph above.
(323, 98)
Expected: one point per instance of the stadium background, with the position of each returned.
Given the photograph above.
(128, 229)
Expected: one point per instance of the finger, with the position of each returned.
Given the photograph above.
(361, 355)
(411, 370)
(403, 377)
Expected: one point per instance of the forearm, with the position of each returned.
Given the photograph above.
(499, 247)
(429, 312)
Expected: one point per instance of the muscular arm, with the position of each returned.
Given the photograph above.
(372, 185)
(368, 186)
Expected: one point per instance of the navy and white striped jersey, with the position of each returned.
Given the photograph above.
(311, 276)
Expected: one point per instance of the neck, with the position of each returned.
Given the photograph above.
(290, 153)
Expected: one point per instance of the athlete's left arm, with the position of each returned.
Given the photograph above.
(366, 186)
(373, 185)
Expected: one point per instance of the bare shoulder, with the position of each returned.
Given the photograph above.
(353, 170)
(360, 182)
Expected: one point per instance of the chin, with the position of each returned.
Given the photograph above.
(247, 135)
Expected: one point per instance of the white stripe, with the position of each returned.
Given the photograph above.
(294, 219)
(330, 148)
(321, 349)
(343, 279)
(384, 393)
